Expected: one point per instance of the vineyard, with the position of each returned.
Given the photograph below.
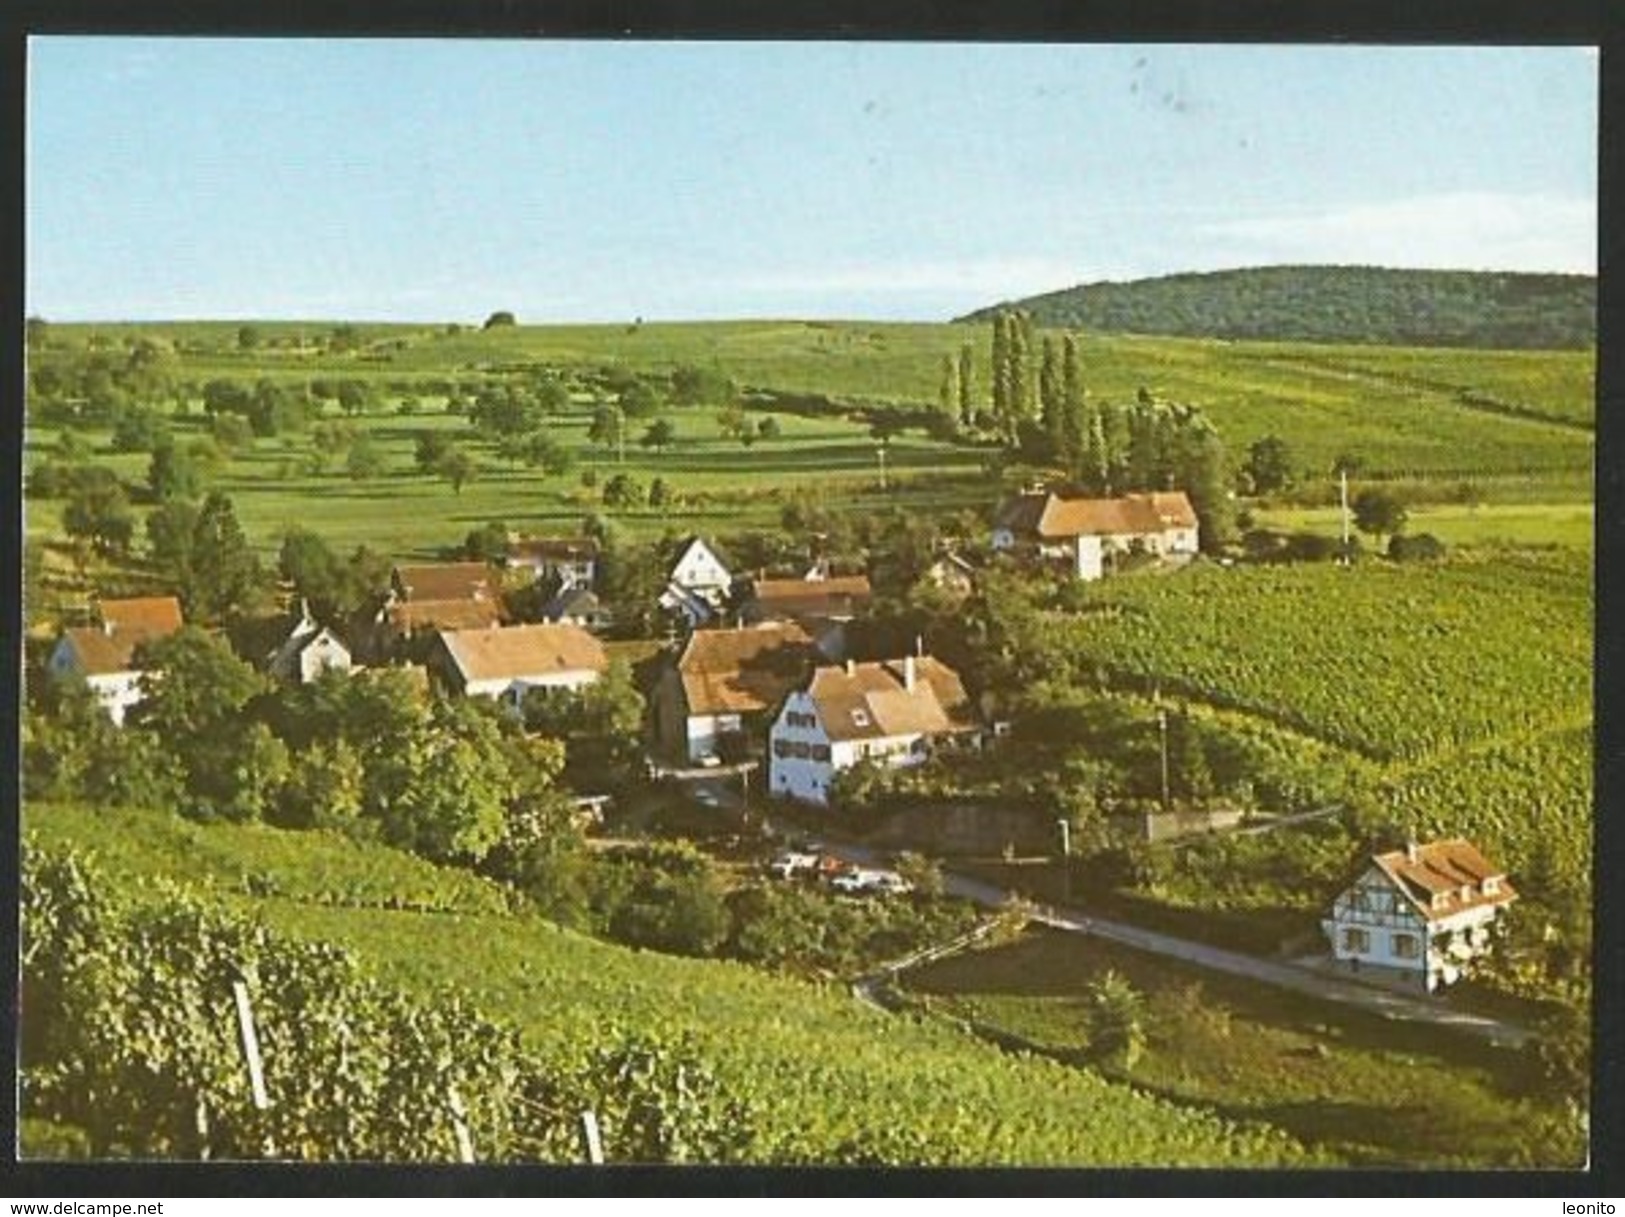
(1526, 798)
(365, 1045)
(1388, 661)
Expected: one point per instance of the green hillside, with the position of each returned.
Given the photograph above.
(1357, 304)
(822, 1078)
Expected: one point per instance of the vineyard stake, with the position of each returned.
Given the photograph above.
(459, 1124)
(589, 1138)
(251, 1045)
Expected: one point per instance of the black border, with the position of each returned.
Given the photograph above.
(1580, 22)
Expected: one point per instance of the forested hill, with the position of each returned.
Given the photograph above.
(1335, 304)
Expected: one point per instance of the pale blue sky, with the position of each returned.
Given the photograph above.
(439, 180)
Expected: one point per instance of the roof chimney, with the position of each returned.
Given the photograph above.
(1411, 854)
(908, 673)
(851, 667)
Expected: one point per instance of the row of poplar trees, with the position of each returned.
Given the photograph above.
(1037, 405)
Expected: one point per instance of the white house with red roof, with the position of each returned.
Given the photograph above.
(894, 713)
(103, 655)
(1420, 914)
(1087, 534)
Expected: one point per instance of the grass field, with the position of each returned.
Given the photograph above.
(1569, 524)
(1371, 1092)
(1401, 409)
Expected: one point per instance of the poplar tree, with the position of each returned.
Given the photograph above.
(1052, 405)
(1075, 425)
(967, 379)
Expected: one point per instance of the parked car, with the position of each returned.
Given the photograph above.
(863, 880)
(788, 865)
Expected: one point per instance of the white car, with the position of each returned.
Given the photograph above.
(861, 879)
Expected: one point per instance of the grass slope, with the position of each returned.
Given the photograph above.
(828, 1078)
(1374, 1093)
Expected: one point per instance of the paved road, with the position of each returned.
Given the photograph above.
(1397, 1006)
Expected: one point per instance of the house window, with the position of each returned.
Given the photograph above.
(800, 751)
(781, 748)
(820, 752)
(1359, 901)
(1356, 939)
(1405, 946)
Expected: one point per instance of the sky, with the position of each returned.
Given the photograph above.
(440, 180)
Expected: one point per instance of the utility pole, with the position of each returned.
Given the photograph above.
(1066, 858)
(1343, 498)
(1162, 730)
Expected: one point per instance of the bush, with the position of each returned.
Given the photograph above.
(1423, 547)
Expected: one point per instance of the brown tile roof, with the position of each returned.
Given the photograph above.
(872, 700)
(744, 670)
(443, 580)
(1442, 870)
(524, 650)
(126, 624)
(839, 596)
(413, 615)
(1051, 517)
(1133, 514)
(159, 615)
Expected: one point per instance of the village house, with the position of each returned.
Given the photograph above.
(103, 655)
(1419, 915)
(578, 605)
(726, 683)
(1090, 535)
(507, 662)
(820, 603)
(425, 598)
(309, 650)
(427, 581)
(698, 584)
(562, 562)
(894, 713)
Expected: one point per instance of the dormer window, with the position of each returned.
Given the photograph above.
(1491, 885)
(1466, 891)
(860, 718)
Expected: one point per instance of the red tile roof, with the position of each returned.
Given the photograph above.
(836, 597)
(745, 670)
(1443, 878)
(126, 624)
(1050, 517)
(411, 616)
(873, 700)
(443, 581)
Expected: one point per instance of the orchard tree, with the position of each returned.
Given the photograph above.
(639, 400)
(659, 435)
(1269, 465)
(544, 452)
(174, 473)
(608, 427)
(698, 386)
(457, 467)
(431, 446)
(365, 460)
(226, 576)
(1379, 514)
(98, 512)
